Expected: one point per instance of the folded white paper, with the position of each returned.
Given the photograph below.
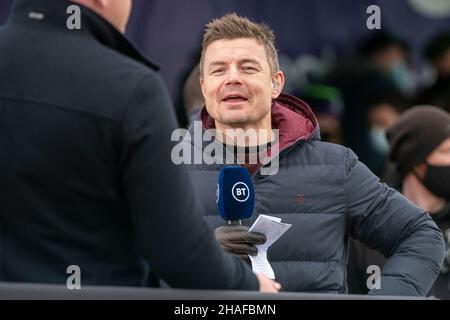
(273, 229)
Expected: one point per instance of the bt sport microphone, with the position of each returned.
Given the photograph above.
(235, 196)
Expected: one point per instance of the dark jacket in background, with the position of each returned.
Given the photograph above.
(86, 176)
(360, 257)
(441, 287)
(329, 196)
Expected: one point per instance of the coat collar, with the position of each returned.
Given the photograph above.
(53, 14)
(291, 116)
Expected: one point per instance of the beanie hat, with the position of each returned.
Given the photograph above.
(417, 133)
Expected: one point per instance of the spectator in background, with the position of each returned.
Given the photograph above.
(193, 100)
(188, 90)
(381, 66)
(420, 148)
(383, 111)
(437, 53)
(326, 102)
(390, 54)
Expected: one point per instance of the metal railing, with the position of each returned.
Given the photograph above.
(13, 291)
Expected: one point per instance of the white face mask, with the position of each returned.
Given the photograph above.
(402, 77)
(379, 140)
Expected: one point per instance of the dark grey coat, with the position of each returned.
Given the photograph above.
(85, 167)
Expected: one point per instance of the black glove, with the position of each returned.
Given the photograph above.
(239, 241)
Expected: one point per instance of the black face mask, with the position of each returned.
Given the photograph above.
(437, 180)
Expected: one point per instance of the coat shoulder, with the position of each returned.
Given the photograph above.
(324, 153)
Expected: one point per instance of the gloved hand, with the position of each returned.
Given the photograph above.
(239, 241)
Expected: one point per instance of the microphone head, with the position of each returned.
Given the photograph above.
(235, 196)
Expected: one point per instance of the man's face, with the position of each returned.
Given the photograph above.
(237, 82)
(383, 116)
(390, 57)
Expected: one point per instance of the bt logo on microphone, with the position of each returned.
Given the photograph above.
(240, 192)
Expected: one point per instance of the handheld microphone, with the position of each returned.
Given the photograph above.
(235, 195)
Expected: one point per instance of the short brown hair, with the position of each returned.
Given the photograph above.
(232, 26)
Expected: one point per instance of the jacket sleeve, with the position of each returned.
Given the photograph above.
(386, 221)
(170, 230)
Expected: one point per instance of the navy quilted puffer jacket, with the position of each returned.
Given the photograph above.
(328, 196)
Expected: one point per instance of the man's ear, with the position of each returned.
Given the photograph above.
(277, 84)
(202, 86)
(421, 170)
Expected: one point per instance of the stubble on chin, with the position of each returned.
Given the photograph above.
(234, 120)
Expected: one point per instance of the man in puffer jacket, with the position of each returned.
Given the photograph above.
(320, 188)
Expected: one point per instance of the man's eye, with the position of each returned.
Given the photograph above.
(216, 71)
(247, 68)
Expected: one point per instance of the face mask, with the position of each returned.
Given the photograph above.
(437, 180)
(378, 140)
(402, 77)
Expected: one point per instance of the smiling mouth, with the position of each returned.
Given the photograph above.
(234, 99)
